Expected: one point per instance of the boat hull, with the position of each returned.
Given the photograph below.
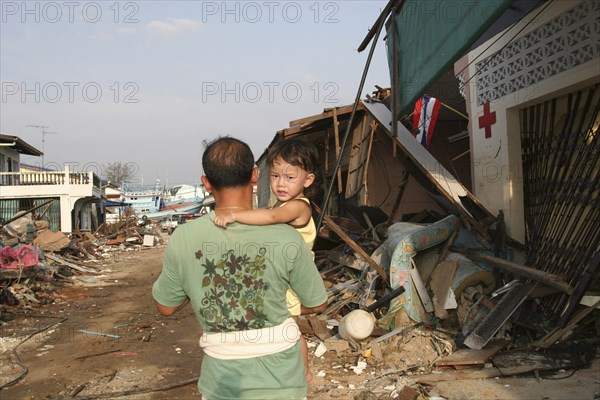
(190, 208)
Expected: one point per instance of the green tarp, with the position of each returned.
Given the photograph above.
(431, 35)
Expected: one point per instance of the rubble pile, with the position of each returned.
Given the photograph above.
(407, 300)
(430, 308)
(35, 261)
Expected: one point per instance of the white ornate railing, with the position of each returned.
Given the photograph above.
(49, 178)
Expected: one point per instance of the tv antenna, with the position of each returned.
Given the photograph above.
(44, 133)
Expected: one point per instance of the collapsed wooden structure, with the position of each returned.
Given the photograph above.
(385, 179)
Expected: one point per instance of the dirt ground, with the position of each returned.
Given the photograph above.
(128, 347)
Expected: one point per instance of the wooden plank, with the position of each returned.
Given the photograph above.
(523, 361)
(472, 357)
(303, 130)
(340, 232)
(366, 169)
(557, 334)
(517, 269)
(326, 153)
(336, 133)
(326, 114)
(356, 160)
(69, 264)
(358, 156)
(429, 379)
(51, 241)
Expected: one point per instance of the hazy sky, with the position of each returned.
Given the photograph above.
(145, 82)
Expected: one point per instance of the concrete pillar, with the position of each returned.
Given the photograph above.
(66, 222)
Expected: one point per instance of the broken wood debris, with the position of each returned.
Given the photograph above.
(338, 230)
(357, 278)
(521, 270)
(357, 269)
(35, 261)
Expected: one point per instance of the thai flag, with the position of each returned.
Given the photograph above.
(424, 119)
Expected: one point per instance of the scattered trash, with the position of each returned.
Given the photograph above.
(100, 334)
(359, 367)
(149, 240)
(409, 292)
(320, 350)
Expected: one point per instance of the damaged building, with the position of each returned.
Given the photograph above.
(66, 199)
(471, 247)
(490, 229)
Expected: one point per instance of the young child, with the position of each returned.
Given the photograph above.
(293, 166)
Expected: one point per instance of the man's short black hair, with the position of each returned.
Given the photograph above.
(227, 162)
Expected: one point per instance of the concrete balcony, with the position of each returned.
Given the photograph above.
(35, 184)
(77, 191)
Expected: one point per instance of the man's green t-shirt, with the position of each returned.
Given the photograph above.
(236, 279)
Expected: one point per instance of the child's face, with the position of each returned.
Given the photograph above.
(288, 181)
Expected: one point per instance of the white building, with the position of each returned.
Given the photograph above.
(75, 193)
(533, 99)
(516, 80)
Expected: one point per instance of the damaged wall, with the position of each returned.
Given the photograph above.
(505, 76)
(385, 176)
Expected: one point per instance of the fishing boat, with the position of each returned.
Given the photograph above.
(184, 193)
(143, 200)
(181, 196)
(193, 207)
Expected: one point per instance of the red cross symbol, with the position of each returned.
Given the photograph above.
(487, 120)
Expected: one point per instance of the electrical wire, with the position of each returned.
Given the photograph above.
(131, 391)
(97, 396)
(14, 350)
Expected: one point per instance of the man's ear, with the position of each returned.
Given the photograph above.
(310, 178)
(254, 177)
(206, 184)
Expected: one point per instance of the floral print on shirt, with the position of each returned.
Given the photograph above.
(234, 299)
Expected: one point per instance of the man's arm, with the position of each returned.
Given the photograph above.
(167, 291)
(313, 310)
(167, 311)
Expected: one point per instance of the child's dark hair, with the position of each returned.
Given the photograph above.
(298, 153)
